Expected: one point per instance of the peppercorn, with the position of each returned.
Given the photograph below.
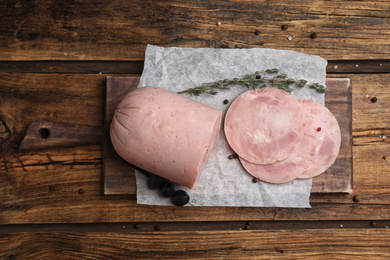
(167, 189)
(157, 227)
(257, 32)
(313, 35)
(357, 198)
(180, 198)
(284, 27)
(233, 156)
(255, 180)
(155, 182)
(226, 101)
(374, 99)
(258, 77)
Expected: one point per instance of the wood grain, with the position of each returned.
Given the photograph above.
(65, 185)
(244, 244)
(119, 177)
(47, 135)
(120, 30)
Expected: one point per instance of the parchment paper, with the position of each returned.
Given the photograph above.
(224, 182)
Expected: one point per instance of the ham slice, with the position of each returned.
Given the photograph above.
(290, 168)
(165, 133)
(264, 126)
(327, 137)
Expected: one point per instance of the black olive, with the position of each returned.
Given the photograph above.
(180, 198)
(167, 189)
(155, 182)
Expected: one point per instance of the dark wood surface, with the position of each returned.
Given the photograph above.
(54, 59)
(118, 175)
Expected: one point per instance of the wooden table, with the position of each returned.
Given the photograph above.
(55, 56)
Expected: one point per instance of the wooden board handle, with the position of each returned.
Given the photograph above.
(45, 135)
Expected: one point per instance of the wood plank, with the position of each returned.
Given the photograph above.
(86, 31)
(119, 177)
(334, 67)
(338, 178)
(244, 244)
(25, 98)
(65, 185)
(371, 125)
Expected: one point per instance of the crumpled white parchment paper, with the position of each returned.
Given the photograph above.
(224, 182)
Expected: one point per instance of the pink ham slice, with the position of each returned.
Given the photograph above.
(290, 168)
(165, 133)
(327, 134)
(264, 126)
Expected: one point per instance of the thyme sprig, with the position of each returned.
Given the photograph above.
(254, 81)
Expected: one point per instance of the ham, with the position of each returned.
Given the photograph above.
(290, 168)
(327, 137)
(164, 133)
(264, 126)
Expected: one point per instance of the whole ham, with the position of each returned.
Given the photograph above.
(165, 133)
(264, 126)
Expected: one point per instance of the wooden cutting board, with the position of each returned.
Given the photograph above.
(119, 176)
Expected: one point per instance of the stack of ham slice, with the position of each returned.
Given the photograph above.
(279, 138)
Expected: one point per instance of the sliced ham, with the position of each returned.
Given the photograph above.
(290, 168)
(165, 133)
(264, 126)
(327, 137)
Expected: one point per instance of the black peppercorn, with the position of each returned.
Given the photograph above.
(180, 198)
(258, 77)
(255, 180)
(167, 189)
(157, 228)
(374, 99)
(284, 27)
(155, 182)
(226, 101)
(257, 32)
(313, 35)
